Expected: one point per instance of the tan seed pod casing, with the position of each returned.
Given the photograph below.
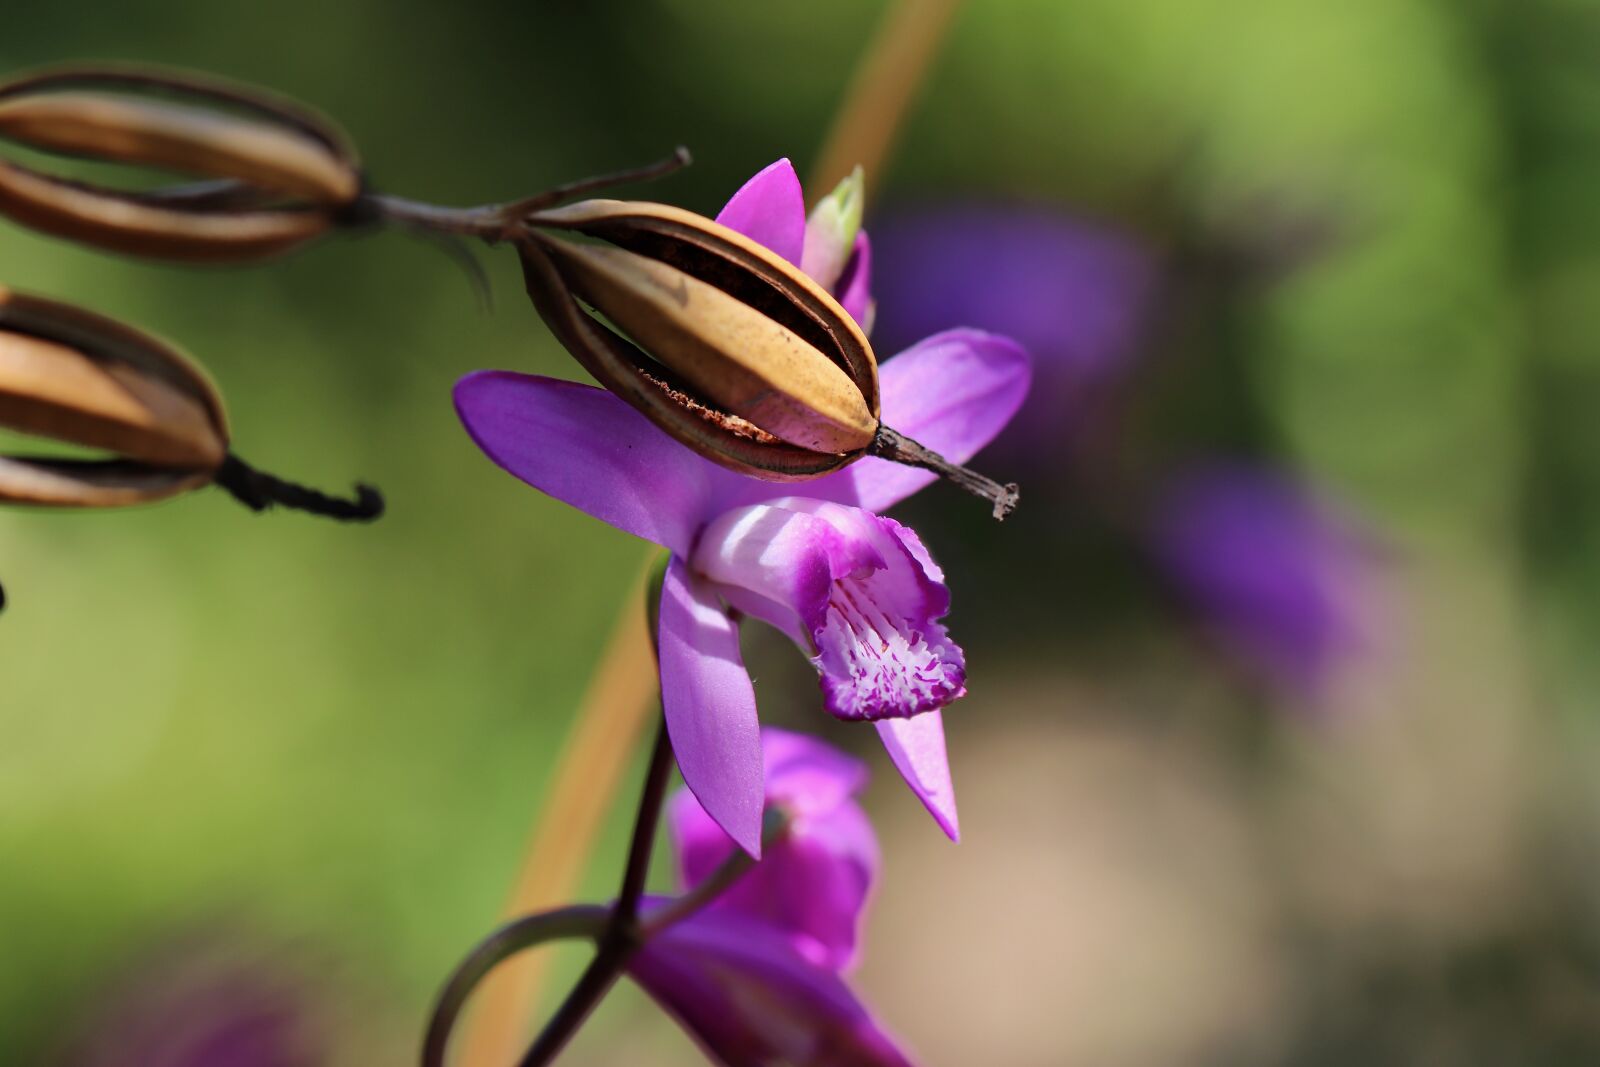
(288, 170)
(724, 344)
(73, 376)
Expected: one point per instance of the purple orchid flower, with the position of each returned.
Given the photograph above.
(1282, 579)
(755, 977)
(858, 592)
(815, 881)
(1075, 293)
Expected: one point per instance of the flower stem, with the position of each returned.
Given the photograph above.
(590, 763)
(902, 449)
(581, 921)
(499, 222)
(720, 881)
(622, 935)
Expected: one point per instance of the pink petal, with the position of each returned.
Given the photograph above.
(917, 747)
(589, 449)
(807, 775)
(746, 997)
(710, 706)
(814, 882)
(770, 209)
(855, 284)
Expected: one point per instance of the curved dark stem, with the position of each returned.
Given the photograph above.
(258, 491)
(720, 881)
(580, 921)
(597, 980)
(644, 830)
(2, 598)
(901, 449)
(622, 935)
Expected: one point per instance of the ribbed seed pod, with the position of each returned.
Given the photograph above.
(275, 173)
(77, 377)
(720, 341)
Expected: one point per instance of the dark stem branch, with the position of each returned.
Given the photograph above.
(679, 159)
(901, 449)
(670, 914)
(597, 980)
(622, 936)
(644, 831)
(494, 223)
(259, 491)
(582, 921)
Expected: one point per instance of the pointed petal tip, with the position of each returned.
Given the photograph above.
(770, 209)
(710, 706)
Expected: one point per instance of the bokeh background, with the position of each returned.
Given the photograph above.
(1307, 780)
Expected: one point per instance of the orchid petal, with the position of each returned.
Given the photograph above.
(742, 992)
(916, 745)
(710, 706)
(771, 210)
(814, 882)
(805, 775)
(589, 449)
(862, 587)
(855, 284)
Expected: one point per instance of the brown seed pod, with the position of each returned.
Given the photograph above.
(73, 376)
(728, 347)
(278, 174)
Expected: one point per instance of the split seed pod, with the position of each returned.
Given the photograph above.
(272, 174)
(718, 340)
(73, 376)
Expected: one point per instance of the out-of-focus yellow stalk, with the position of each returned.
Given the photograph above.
(891, 71)
(615, 708)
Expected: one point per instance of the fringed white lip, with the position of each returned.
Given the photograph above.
(856, 589)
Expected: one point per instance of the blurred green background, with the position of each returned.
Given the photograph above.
(326, 744)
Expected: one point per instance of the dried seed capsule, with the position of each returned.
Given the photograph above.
(720, 341)
(73, 376)
(286, 172)
(729, 347)
(77, 377)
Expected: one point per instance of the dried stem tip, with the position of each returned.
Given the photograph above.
(279, 173)
(901, 449)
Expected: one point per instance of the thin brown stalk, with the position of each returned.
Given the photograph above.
(885, 83)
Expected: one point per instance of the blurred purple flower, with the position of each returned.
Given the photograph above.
(1074, 293)
(755, 976)
(856, 591)
(814, 882)
(205, 1009)
(1282, 579)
